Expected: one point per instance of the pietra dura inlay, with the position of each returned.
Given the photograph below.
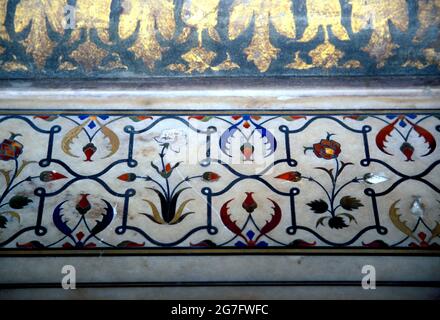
(219, 182)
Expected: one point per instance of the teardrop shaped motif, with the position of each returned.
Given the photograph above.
(83, 205)
(89, 150)
(247, 150)
(249, 203)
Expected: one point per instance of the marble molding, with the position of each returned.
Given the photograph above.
(216, 182)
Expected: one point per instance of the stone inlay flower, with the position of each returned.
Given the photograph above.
(10, 149)
(326, 149)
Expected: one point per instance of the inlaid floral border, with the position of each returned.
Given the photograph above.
(318, 183)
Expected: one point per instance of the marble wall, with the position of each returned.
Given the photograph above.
(215, 149)
(85, 189)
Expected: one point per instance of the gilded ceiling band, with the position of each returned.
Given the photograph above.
(144, 38)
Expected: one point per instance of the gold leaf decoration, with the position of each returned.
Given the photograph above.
(89, 55)
(279, 13)
(11, 66)
(184, 35)
(92, 15)
(398, 223)
(152, 16)
(415, 64)
(3, 34)
(326, 56)
(376, 14)
(200, 15)
(327, 14)
(299, 63)
(143, 27)
(35, 13)
(432, 56)
(228, 64)
(65, 65)
(199, 60)
(178, 67)
(428, 16)
(115, 63)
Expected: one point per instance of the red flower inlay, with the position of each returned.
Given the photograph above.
(327, 149)
(10, 149)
